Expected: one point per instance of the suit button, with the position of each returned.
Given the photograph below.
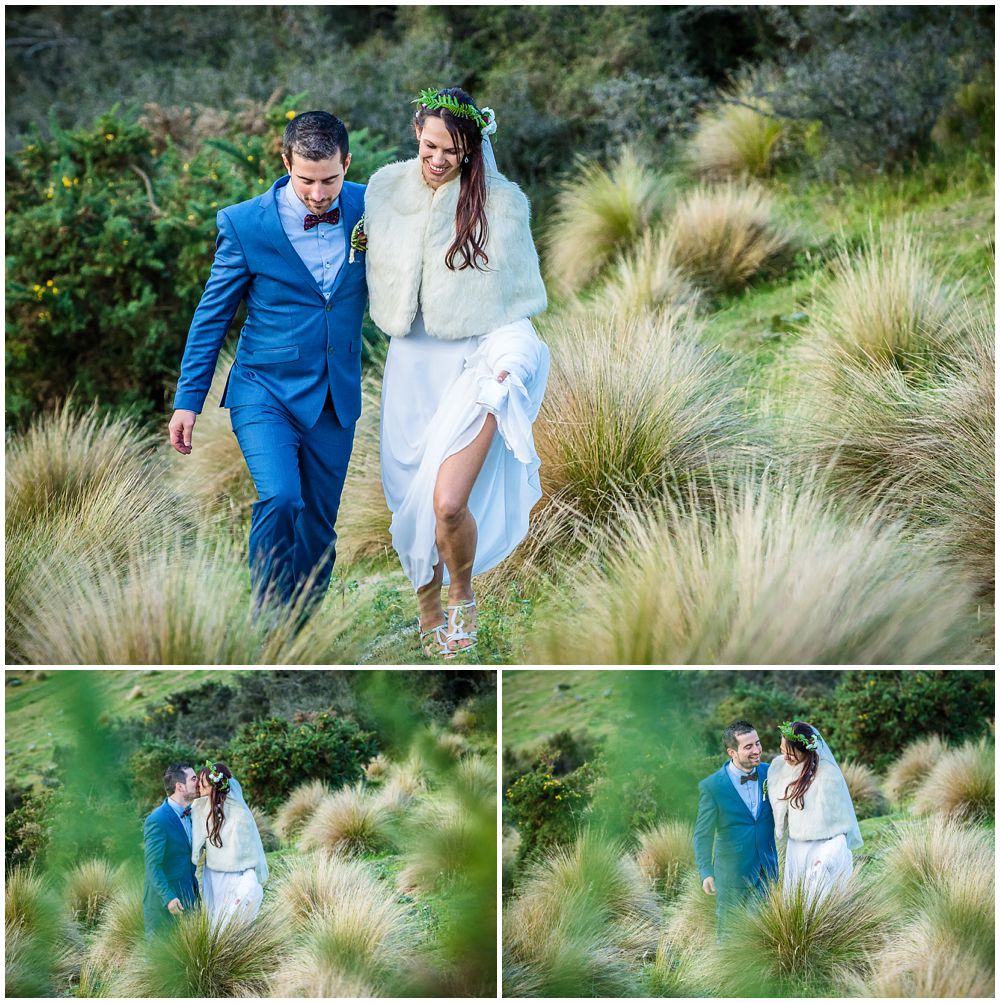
(330, 351)
(328, 308)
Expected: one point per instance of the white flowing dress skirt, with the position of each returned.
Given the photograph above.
(818, 864)
(231, 894)
(436, 395)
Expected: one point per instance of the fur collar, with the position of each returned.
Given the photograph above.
(410, 228)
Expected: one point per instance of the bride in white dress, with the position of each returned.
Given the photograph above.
(235, 865)
(453, 276)
(812, 805)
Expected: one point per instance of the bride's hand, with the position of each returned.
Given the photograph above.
(503, 375)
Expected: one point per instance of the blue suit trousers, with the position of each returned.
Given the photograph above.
(299, 475)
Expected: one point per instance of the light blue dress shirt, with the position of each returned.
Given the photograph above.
(749, 792)
(321, 248)
(185, 819)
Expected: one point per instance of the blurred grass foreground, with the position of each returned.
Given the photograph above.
(377, 812)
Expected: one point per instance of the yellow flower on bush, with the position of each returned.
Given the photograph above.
(289, 115)
(250, 157)
(49, 283)
(67, 182)
(109, 136)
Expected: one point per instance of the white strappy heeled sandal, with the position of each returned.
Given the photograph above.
(434, 641)
(461, 617)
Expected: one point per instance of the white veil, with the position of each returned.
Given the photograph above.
(854, 840)
(236, 793)
(489, 157)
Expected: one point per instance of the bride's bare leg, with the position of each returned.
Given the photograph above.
(429, 600)
(456, 529)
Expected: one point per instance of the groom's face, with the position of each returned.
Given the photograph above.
(189, 789)
(317, 182)
(746, 755)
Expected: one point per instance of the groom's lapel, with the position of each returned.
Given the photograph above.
(730, 792)
(350, 213)
(173, 820)
(271, 225)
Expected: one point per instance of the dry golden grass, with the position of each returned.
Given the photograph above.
(738, 137)
(363, 519)
(914, 761)
(722, 237)
(377, 768)
(122, 928)
(864, 788)
(645, 277)
(886, 302)
(774, 574)
(635, 408)
(598, 214)
(299, 808)
(961, 785)
(665, 855)
(318, 883)
(89, 888)
(349, 821)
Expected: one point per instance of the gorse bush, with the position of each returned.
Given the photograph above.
(611, 429)
(598, 213)
(722, 237)
(772, 573)
(275, 756)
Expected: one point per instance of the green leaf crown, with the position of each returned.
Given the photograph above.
(215, 778)
(811, 744)
(430, 98)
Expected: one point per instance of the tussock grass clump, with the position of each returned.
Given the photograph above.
(665, 854)
(349, 821)
(961, 785)
(688, 930)
(598, 213)
(363, 519)
(804, 945)
(89, 887)
(887, 303)
(582, 915)
(646, 278)
(865, 790)
(908, 770)
(299, 807)
(442, 838)
(738, 137)
(635, 408)
(121, 929)
(183, 606)
(378, 768)
(773, 575)
(268, 834)
(39, 945)
(724, 236)
(214, 473)
(193, 958)
(398, 792)
(926, 857)
(318, 883)
(476, 778)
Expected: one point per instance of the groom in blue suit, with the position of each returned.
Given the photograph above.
(171, 886)
(734, 833)
(294, 391)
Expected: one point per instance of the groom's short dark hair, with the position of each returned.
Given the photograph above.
(174, 776)
(736, 728)
(315, 135)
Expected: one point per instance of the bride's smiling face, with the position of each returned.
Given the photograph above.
(440, 159)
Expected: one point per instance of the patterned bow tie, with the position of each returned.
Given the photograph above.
(186, 812)
(333, 216)
(746, 777)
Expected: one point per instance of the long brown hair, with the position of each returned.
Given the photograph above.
(795, 792)
(216, 800)
(471, 226)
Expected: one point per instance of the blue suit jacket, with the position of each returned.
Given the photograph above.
(169, 871)
(729, 843)
(296, 345)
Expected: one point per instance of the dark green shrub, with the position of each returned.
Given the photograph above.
(764, 706)
(146, 765)
(874, 714)
(273, 757)
(27, 827)
(548, 810)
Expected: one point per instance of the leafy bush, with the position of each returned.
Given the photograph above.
(875, 714)
(27, 829)
(275, 756)
(764, 706)
(113, 239)
(147, 764)
(548, 810)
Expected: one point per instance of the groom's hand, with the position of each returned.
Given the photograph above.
(174, 906)
(181, 429)
(709, 885)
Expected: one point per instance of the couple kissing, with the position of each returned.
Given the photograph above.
(440, 247)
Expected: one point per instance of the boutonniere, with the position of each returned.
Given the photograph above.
(359, 239)
(764, 789)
